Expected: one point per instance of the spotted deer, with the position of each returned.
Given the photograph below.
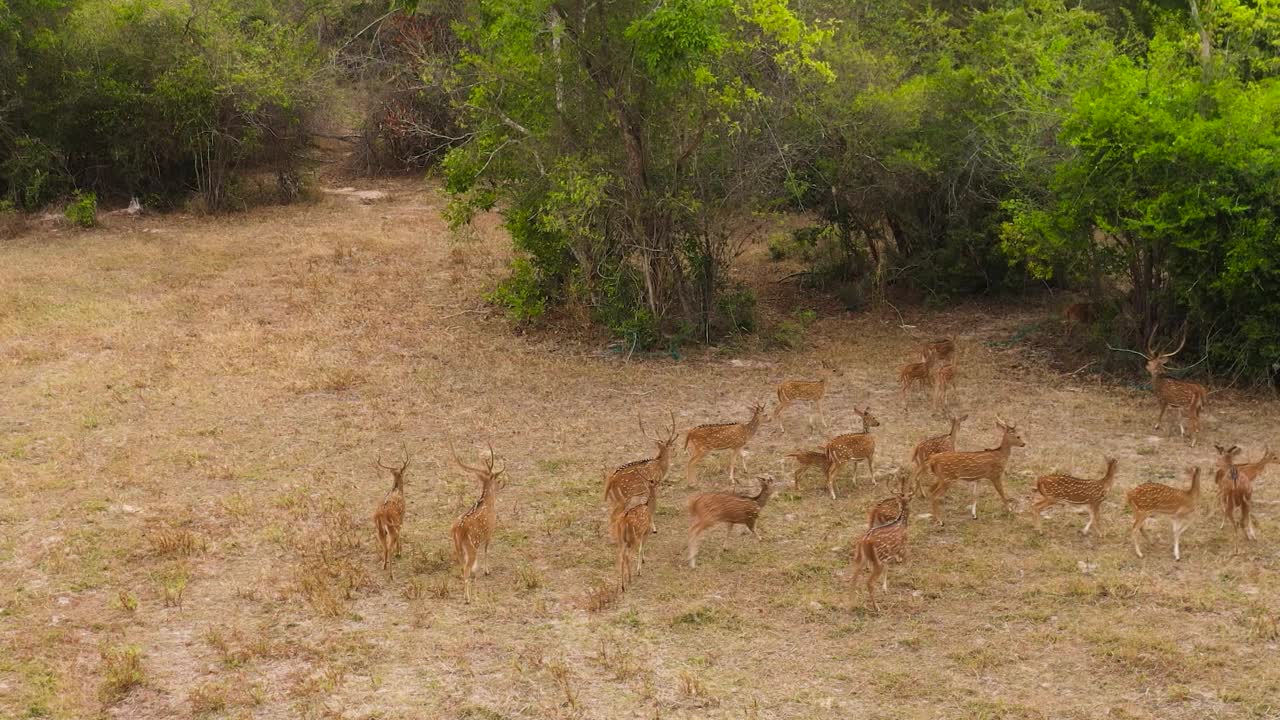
(389, 516)
(939, 349)
(1158, 499)
(1057, 488)
(723, 436)
(641, 478)
(875, 547)
(1235, 489)
(853, 447)
(929, 447)
(949, 467)
(629, 524)
(808, 391)
(706, 510)
(887, 509)
(916, 373)
(1182, 395)
(1077, 314)
(473, 531)
(944, 381)
(806, 459)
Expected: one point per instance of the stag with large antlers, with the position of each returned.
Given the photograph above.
(948, 468)
(473, 531)
(641, 478)
(1182, 395)
(389, 516)
(808, 391)
(721, 436)
(852, 447)
(1158, 499)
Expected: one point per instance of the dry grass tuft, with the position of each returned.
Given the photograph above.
(602, 596)
(175, 542)
(122, 672)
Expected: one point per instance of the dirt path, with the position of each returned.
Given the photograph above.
(192, 409)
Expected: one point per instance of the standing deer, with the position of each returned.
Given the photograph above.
(809, 391)
(944, 380)
(876, 546)
(852, 446)
(940, 349)
(473, 531)
(1074, 491)
(629, 524)
(723, 436)
(389, 516)
(887, 509)
(1235, 488)
(916, 373)
(641, 478)
(1077, 314)
(929, 447)
(706, 510)
(949, 467)
(806, 459)
(1182, 395)
(1158, 499)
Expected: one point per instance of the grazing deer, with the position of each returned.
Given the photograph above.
(1182, 395)
(389, 516)
(852, 446)
(810, 391)
(473, 531)
(932, 446)
(876, 546)
(1235, 488)
(641, 478)
(806, 459)
(949, 467)
(629, 524)
(940, 349)
(916, 373)
(944, 380)
(1057, 488)
(1157, 499)
(706, 510)
(723, 436)
(887, 509)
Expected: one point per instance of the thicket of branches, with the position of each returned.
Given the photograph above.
(1126, 149)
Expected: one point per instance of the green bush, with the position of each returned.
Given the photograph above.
(789, 334)
(521, 294)
(737, 308)
(82, 211)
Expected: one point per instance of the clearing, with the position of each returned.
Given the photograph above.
(191, 412)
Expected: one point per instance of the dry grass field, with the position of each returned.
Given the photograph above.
(192, 408)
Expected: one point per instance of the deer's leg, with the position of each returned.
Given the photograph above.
(936, 492)
(691, 470)
(1136, 530)
(1093, 515)
(1039, 507)
(733, 463)
(752, 527)
(871, 467)
(1178, 526)
(777, 413)
(1163, 408)
(640, 557)
(1246, 521)
(876, 570)
(973, 509)
(695, 532)
(998, 483)
(821, 415)
(486, 557)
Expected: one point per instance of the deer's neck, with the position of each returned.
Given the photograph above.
(763, 497)
(1194, 491)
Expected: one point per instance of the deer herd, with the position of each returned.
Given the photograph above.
(631, 490)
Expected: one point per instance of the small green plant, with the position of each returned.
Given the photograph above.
(83, 210)
(789, 334)
(737, 308)
(521, 294)
(121, 671)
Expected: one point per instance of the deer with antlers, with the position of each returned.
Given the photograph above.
(473, 531)
(806, 459)
(706, 510)
(915, 373)
(929, 447)
(1182, 395)
(808, 391)
(1058, 487)
(721, 436)
(877, 546)
(1159, 499)
(1235, 489)
(630, 522)
(641, 478)
(949, 467)
(852, 447)
(389, 516)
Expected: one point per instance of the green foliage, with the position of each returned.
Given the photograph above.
(737, 308)
(789, 334)
(82, 211)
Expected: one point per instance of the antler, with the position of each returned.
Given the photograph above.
(1180, 345)
(671, 436)
(642, 431)
(403, 466)
(1001, 421)
(493, 457)
(461, 464)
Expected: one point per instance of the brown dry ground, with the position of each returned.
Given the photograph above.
(191, 412)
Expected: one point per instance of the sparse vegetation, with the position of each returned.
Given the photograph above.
(122, 671)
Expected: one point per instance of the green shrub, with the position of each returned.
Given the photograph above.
(737, 308)
(789, 334)
(521, 294)
(83, 209)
